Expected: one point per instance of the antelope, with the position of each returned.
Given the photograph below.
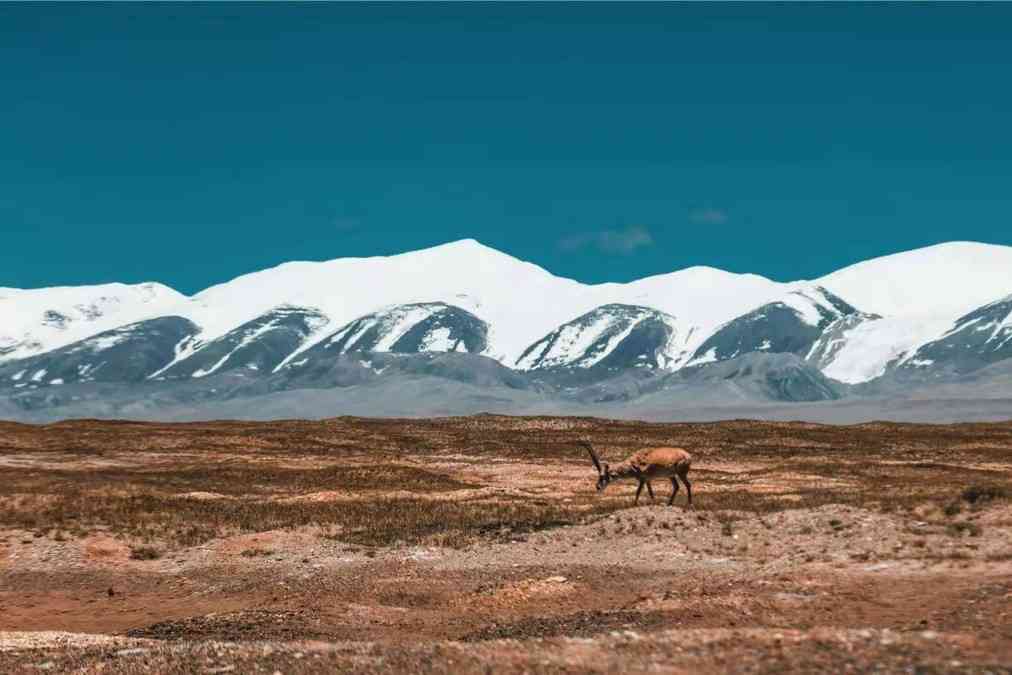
(644, 465)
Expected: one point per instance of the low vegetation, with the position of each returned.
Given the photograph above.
(181, 485)
(986, 492)
(145, 553)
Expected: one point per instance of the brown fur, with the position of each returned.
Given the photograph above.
(645, 465)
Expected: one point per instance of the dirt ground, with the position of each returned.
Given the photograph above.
(479, 544)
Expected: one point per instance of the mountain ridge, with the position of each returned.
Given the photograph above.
(465, 296)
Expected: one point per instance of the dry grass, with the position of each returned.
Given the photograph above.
(135, 480)
(235, 477)
(373, 521)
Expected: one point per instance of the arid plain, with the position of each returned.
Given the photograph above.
(479, 544)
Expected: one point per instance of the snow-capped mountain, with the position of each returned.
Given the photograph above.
(949, 279)
(38, 320)
(919, 295)
(611, 337)
(518, 301)
(868, 349)
(415, 328)
(796, 323)
(854, 325)
(976, 340)
(259, 345)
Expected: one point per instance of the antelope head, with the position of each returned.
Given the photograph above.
(603, 472)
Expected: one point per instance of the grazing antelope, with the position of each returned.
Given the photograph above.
(645, 465)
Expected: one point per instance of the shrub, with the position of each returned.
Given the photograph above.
(985, 492)
(145, 553)
(957, 529)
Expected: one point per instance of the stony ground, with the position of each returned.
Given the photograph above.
(480, 545)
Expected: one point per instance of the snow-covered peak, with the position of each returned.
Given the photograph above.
(815, 305)
(868, 350)
(519, 301)
(943, 280)
(793, 322)
(42, 319)
(921, 295)
(976, 339)
(613, 336)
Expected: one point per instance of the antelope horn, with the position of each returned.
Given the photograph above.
(593, 456)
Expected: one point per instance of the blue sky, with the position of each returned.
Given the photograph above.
(191, 143)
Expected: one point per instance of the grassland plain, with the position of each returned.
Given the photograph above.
(478, 544)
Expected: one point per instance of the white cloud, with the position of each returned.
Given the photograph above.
(622, 241)
(708, 216)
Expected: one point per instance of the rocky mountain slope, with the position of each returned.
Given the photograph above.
(130, 353)
(976, 340)
(798, 323)
(882, 325)
(611, 337)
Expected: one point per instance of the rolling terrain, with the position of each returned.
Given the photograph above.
(479, 544)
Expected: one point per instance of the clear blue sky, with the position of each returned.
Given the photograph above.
(190, 143)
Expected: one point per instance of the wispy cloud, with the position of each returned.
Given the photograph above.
(708, 216)
(347, 223)
(622, 241)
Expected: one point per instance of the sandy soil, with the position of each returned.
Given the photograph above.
(810, 549)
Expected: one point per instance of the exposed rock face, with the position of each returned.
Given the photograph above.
(411, 329)
(795, 324)
(258, 346)
(126, 354)
(978, 339)
(609, 338)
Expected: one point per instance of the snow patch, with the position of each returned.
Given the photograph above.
(613, 342)
(803, 307)
(104, 342)
(807, 302)
(870, 346)
(438, 340)
(392, 323)
(368, 364)
(709, 357)
(183, 349)
(1002, 326)
(399, 321)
